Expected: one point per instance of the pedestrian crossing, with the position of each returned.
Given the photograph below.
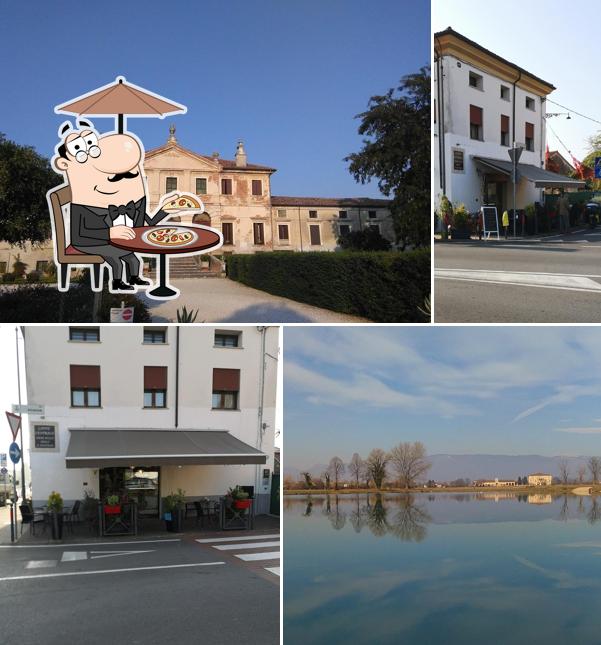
(262, 547)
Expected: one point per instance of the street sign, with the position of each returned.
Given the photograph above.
(3, 471)
(30, 408)
(597, 167)
(14, 421)
(15, 453)
(122, 314)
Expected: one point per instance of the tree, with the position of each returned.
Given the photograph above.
(564, 470)
(355, 468)
(308, 479)
(376, 466)
(409, 460)
(326, 477)
(336, 469)
(594, 466)
(396, 151)
(25, 178)
(581, 473)
(369, 239)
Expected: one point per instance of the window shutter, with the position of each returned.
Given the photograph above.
(504, 123)
(257, 187)
(315, 236)
(475, 115)
(529, 131)
(85, 376)
(226, 380)
(155, 378)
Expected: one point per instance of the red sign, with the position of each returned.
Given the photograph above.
(122, 314)
(14, 421)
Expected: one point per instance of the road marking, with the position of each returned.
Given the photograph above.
(70, 556)
(41, 564)
(275, 570)
(97, 544)
(251, 557)
(238, 539)
(570, 282)
(112, 554)
(247, 545)
(90, 573)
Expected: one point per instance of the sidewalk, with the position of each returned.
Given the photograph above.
(223, 300)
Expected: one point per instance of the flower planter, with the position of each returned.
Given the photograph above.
(460, 233)
(241, 503)
(173, 521)
(112, 509)
(57, 525)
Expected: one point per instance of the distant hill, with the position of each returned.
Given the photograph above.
(450, 467)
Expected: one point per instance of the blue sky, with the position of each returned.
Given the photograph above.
(286, 77)
(459, 390)
(553, 39)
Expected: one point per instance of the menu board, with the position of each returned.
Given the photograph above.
(44, 436)
(490, 221)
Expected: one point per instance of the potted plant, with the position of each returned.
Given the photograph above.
(239, 498)
(461, 224)
(55, 508)
(446, 216)
(173, 507)
(112, 506)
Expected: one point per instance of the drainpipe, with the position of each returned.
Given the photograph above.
(513, 139)
(260, 428)
(441, 134)
(300, 229)
(176, 376)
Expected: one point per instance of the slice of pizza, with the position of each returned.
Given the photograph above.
(183, 202)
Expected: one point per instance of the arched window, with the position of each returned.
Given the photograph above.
(202, 218)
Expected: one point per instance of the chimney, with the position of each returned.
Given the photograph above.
(171, 138)
(240, 155)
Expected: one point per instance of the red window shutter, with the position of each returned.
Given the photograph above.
(85, 376)
(257, 187)
(529, 130)
(475, 115)
(226, 380)
(155, 378)
(504, 123)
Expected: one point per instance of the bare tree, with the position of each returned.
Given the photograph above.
(409, 460)
(564, 470)
(594, 466)
(365, 474)
(355, 468)
(581, 474)
(336, 469)
(376, 466)
(308, 479)
(326, 477)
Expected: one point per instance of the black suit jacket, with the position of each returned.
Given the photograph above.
(90, 225)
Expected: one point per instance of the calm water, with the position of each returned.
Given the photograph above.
(442, 569)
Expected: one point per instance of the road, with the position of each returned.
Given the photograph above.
(553, 279)
(141, 592)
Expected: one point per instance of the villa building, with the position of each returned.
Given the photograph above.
(540, 479)
(491, 483)
(148, 410)
(238, 201)
(483, 105)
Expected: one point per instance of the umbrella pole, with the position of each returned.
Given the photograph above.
(120, 123)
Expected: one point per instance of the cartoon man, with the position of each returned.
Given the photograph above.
(108, 196)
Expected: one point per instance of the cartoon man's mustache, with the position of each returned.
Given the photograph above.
(123, 175)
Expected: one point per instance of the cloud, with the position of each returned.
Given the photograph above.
(563, 394)
(579, 430)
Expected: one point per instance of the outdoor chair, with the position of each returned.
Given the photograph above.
(199, 513)
(29, 517)
(67, 255)
(70, 515)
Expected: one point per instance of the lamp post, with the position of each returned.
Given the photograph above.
(515, 152)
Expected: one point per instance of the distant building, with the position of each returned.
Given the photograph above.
(540, 479)
(489, 483)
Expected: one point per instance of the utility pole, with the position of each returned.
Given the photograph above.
(21, 429)
(514, 154)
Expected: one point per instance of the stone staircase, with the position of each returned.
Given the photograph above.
(189, 267)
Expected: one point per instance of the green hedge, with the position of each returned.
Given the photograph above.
(381, 286)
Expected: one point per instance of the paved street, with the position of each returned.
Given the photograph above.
(141, 591)
(553, 279)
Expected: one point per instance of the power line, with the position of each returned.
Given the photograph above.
(558, 139)
(574, 112)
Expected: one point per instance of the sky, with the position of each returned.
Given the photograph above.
(460, 390)
(287, 78)
(553, 40)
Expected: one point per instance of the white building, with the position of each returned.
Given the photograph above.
(151, 409)
(540, 479)
(483, 104)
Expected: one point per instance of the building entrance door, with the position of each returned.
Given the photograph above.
(495, 195)
(141, 483)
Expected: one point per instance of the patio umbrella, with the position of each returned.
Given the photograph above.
(120, 98)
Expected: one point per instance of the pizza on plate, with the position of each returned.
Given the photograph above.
(182, 203)
(170, 236)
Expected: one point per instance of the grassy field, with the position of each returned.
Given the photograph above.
(555, 489)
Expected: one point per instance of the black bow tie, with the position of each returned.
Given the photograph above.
(129, 209)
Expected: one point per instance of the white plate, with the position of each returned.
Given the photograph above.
(178, 229)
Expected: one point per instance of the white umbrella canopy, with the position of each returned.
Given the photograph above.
(118, 99)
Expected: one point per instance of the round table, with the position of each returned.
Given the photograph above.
(207, 240)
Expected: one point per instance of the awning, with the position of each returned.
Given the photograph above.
(540, 177)
(100, 447)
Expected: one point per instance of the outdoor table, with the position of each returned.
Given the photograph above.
(207, 239)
